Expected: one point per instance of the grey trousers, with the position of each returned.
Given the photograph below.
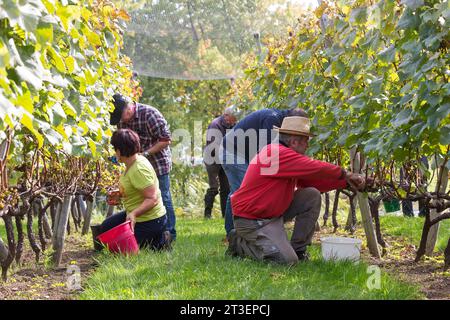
(266, 239)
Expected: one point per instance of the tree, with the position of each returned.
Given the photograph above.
(375, 79)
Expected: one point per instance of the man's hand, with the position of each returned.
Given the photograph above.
(355, 181)
(160, 145)
(131, 217)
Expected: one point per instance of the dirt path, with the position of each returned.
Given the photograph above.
(31, 282)
(428, 273)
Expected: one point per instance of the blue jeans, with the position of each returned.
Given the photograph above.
(147, 234)
(164, 186)
(235, 174)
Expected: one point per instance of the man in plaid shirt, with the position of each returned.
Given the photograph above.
(154, 136)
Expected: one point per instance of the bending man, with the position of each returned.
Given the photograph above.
(244, 141)
(282, 184)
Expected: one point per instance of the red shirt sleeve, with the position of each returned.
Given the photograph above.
(286, 163)
(323, 185)
(295, 165)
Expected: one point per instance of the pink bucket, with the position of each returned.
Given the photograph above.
(120, 239)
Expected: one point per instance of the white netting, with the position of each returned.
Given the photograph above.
(202, 39)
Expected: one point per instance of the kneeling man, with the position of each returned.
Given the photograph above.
(282, 184)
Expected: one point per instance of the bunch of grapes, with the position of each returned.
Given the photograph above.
(109, 179)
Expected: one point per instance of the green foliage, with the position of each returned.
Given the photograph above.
(374, 76)
(59, 65)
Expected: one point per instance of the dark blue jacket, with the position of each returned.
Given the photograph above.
(261, 119)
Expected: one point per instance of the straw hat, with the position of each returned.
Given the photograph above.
(297, 126)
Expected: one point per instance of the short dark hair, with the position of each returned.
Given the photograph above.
(126, 141)
(297, 112)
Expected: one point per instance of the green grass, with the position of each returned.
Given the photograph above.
(198, 269)
(411, 229)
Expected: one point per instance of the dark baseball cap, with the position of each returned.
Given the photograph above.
(120, 103)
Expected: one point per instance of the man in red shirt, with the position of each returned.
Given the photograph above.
(282, 184)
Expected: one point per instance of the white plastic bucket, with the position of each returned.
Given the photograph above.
(340, 248)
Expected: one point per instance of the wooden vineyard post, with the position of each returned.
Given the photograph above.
(434, 230)
(363, 200)
(76, 215)
(59, 234)
(81, 206)
(88, 215)
(56, 214)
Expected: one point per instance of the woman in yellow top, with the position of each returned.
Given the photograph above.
(140, 194)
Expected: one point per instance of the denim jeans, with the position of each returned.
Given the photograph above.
(164, 186)
(235, 173)
(147, 234)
